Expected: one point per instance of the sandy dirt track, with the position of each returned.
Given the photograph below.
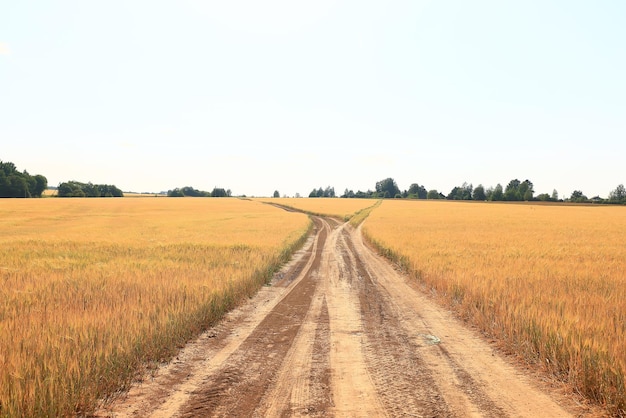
(339, 333)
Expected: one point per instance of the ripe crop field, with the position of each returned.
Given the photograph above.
(91, 289)
(547, 280)
(335, 207)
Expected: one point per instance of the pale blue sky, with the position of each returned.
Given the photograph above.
(262, 95)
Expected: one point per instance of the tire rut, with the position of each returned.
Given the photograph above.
(404, 381)
(239, 387)
(346, 337)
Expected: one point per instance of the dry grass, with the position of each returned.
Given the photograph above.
(334, 207)
(92, 289)
(547, 280)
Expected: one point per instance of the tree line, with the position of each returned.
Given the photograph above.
(16, 184)
(78, 189)
(191, 192)
(515, 190)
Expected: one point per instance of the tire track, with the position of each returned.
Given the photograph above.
(240, 385)
(472, 380)
(344, 336)
(403, 379)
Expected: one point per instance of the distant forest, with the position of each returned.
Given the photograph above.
(78, 189)
(191, 192)
(16, 184)
(21, 184)
(515, 190)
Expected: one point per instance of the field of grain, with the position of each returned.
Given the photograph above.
(334, 207)
(92, 289)
(547, 280)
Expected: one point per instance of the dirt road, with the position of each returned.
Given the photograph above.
(339, 333)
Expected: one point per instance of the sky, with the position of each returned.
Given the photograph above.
(258, 96)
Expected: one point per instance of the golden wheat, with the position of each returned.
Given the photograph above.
(334, 207)
(91, 289)
(548, 280)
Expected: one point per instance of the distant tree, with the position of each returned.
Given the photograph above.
(417, 192)
(618, 195)
(432, 194)
(191, 192)
(64, 189)
(347, 194)
(468, 190)
(527, 190)
(173, 193)
(461, 193)
(479, 193)
(555, 195)
(516, 190)
(327, 192)
(108, 190)
(497, 194)
(41, 184)
(364, 195)
(218, 192)
(78, 189)
(387, 188)
(16, 184)
(578, 196)
(454, 194)
(544, 197)
(276, 193)
(511, 192)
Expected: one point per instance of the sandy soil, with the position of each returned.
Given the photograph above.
(341, 333)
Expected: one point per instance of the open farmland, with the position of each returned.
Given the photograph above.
(337, 208)
(342, 332)
(548, 281)
(92, 289)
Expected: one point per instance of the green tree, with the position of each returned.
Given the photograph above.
(78, 189)
(348, 194)
(618, 195)
(432, 194)
(174, 193)
(417, 192)
(526, 190)
(276, 193)
(555, 195)
(479, 193)
(41, 184)
(218, 192)
(517, 190)
(387, 188)
(461, 193)
(511, 192)
(16, 184)
(578, 196)
(190, 191)
(497, 194)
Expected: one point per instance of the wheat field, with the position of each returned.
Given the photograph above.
(548, 280)
(92, 289)
(339, 208)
